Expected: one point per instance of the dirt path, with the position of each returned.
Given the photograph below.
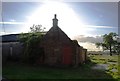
(100, 66)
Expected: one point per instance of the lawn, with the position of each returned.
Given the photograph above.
(25, 72)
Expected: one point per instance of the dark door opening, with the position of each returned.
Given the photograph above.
(41, 56)
(67, 53)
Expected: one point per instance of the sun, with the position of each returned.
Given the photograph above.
(69, 21)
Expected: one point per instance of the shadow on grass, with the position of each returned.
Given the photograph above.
(23, 72)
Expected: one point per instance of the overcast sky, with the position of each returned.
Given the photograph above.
(97, 18)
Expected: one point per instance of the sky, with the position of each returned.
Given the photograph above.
(83, 21)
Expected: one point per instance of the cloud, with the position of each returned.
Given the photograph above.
(12, 23)
(5, 33)
(89, 46)
(88, 42)
(94, 26)
(2, 33)
(90, 39)
(61, 0)
(12, 20)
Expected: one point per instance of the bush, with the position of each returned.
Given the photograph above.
(31, 41)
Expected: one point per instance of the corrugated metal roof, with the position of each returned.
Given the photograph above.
(13, 37)
(10, 38)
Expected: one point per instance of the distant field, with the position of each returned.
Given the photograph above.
(104, 58)
(17, 71)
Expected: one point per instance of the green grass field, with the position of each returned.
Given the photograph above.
(17, 71)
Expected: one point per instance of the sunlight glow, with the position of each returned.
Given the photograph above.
(68, 20)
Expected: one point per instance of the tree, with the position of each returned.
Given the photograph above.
(101, 45)
(109, 42)
(116, 48)
(36, 28)
(31, 43)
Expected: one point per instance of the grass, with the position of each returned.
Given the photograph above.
(33, 72)
(111, 61)
(17, 71)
